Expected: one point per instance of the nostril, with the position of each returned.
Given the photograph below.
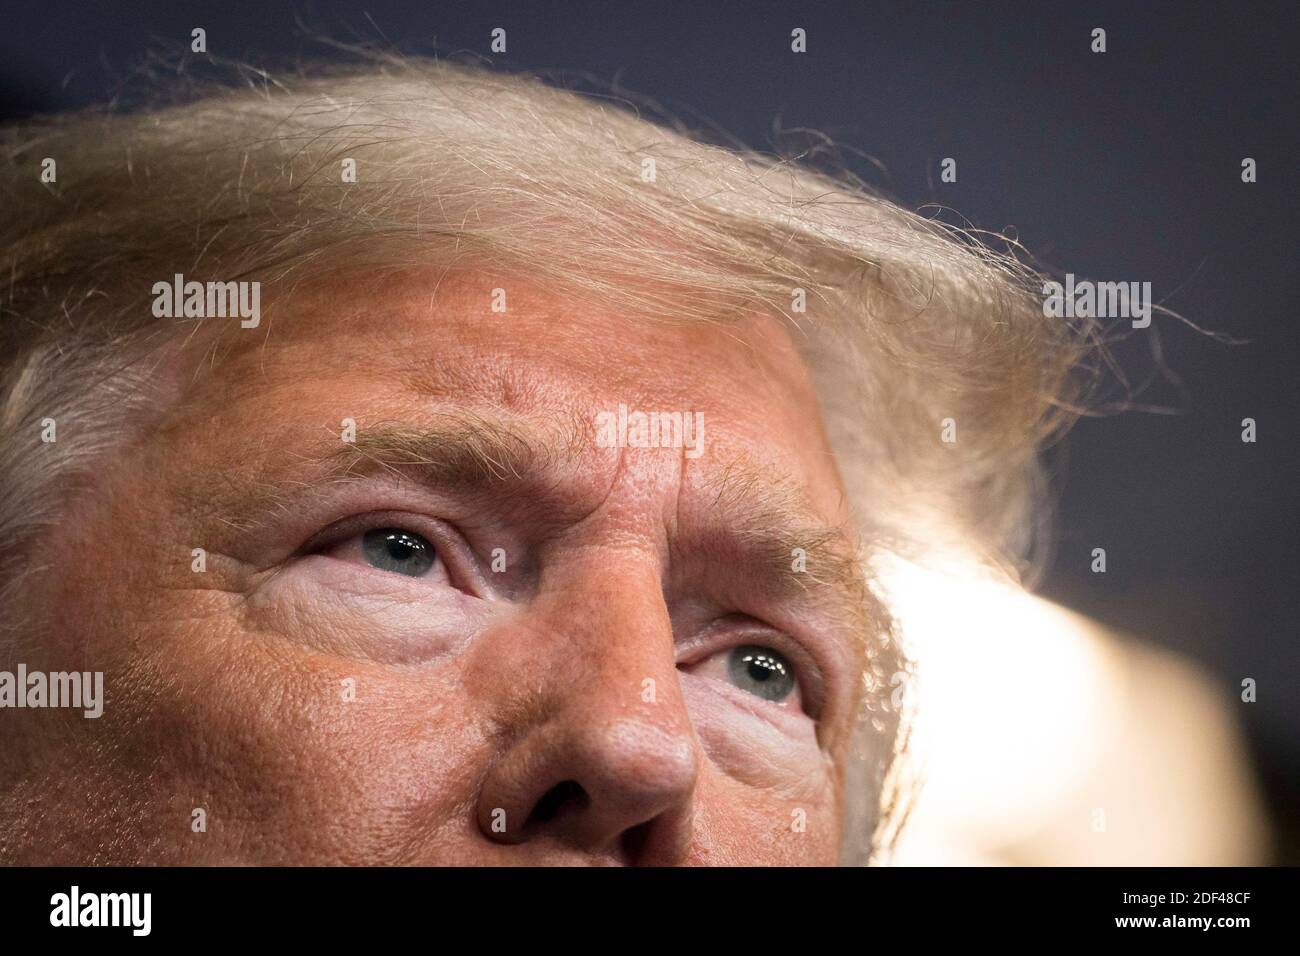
(563, 794)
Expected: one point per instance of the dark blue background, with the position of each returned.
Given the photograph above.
(1122, 166)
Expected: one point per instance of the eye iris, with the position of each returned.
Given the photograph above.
(392, 549)
(762, 671)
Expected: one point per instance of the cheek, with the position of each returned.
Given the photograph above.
(754, 741)
(739, 826)
(295, 755)
(772, 795)
(342, 761)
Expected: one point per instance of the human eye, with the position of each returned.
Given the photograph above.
(762, 666)
(417, 547)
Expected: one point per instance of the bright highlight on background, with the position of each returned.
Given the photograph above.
(1043, 739)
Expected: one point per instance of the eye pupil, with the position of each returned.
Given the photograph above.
(392, 549)
(398, 548)
(762, 671)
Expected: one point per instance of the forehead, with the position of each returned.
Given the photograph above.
(394, 349)
(441, 332)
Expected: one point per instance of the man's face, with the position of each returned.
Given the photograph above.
(448, 608)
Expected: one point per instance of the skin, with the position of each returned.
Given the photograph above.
(324, 711)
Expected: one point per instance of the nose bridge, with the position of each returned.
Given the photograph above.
(600, 643)
(597, 742)
(609, 603)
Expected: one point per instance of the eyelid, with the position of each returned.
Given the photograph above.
(461, 562)
(728, 633)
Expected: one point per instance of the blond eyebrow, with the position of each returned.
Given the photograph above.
(781, 535)
(764, 516)
(464, 449)
(757, 517)
(459, 449)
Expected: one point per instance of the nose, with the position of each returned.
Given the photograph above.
(600, 755)
(618, 789)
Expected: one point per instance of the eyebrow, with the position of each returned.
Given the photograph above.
(456, 450)
(762, 516)
(776, 524)
(767, 516)
(460, 449)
